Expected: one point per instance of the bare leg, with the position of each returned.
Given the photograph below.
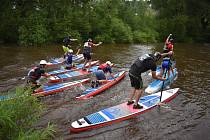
(161, 71)
(132, 94)
(172, 70)
(168, 73)
(89, 64)
(85, 63)
(139, 93)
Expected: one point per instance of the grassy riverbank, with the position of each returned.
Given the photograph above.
(19, 115)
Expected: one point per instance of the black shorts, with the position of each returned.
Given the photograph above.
(136, 82)
(87, 56)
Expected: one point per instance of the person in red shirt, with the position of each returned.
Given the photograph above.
(167, 64)
(168, 44)
(87, 50)
(100, 74)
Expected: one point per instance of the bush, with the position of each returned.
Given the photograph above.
(144, 36)
(104, 38)
(33, 30)
(17, 116)
(121, 32)
(176, 26)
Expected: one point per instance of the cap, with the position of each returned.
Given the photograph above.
(43, 62)
(90, 40)
(108, 62)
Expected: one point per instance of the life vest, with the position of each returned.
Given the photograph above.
(87, 47)
(68, 58)
(32, 73)
(168, 47)
(103, 66)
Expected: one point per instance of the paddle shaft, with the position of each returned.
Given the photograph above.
(161, 92)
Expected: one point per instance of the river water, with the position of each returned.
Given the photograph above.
(188, 115)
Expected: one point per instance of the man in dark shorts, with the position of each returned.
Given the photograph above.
(141, 65)
(87, 50)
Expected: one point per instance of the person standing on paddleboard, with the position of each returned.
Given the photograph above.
(66, 43)
(168, 44)
(35, 74)
(141, 65)
(87, 50)
(167, 64)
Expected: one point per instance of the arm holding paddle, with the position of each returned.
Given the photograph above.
(155, 76)
(159, 77)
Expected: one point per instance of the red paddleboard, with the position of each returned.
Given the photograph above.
(121, 112)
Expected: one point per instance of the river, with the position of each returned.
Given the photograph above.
(188, 115)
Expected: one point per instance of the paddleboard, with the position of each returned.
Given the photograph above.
(7, 97)
(89, 92)
(156, 85)
(71, 74)
(59, 61)
(121, 112)
(77, 67)
(47, 90)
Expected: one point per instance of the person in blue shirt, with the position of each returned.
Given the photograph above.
(68, 59)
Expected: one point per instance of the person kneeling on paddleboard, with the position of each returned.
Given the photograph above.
(107, 69)
(101, 73)
(141, 65)
(35, 74)
(68, 59)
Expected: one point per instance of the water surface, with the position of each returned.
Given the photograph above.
(187, 118)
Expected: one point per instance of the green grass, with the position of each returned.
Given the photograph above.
(18, 116)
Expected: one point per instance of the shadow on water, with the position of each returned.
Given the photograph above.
(187, 118)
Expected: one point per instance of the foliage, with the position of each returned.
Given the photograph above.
(110, 21)
(40, 22)
(18, 114)
(188, 20)
(120, 31)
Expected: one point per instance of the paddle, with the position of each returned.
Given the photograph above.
(161, 92)
(122, 65)
(77, 52)
(166, 71)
